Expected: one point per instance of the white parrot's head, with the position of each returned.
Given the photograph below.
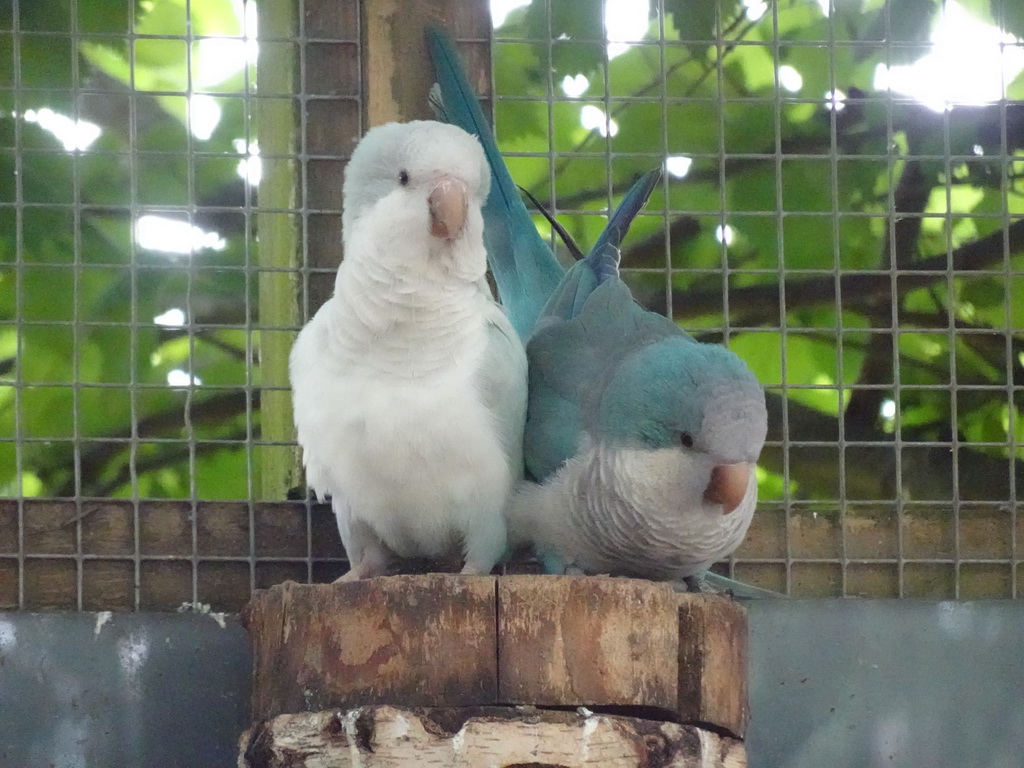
(417, 188)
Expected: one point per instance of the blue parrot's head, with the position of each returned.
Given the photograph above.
(678, 392)
(698, 398)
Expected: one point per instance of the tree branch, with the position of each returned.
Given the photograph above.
(217, 409)
(760, 303)
(813, 144)
(900, 251)
(986, 342)
(659, 82)
(228, 349)
(165, 459)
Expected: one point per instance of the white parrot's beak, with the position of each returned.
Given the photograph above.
(447, 202)
(728, 486)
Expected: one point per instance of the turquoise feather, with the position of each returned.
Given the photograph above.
(524, 268)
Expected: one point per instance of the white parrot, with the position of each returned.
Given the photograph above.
(409, 384)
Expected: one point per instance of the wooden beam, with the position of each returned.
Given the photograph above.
(39, 541)
(333, 121)
(277, 466)
(237, 545)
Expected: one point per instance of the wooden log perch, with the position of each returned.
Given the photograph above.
(375, 737)
(587, 642)
(441, 640)
(713, 662)
(417, 640)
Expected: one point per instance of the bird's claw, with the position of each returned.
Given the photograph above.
(696, 584)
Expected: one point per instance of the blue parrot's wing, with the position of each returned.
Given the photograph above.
(570, 361)
(523, 265)
(571, 295)
(560, 365)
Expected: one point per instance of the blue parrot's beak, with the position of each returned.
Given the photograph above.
(448, 208)
(728, 486)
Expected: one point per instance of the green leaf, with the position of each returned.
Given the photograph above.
(222, 475)
(160, 63)
(573, 21)
(810, 361)
(903, 23)
(696, 21)
(753, 66)
(1011, 12)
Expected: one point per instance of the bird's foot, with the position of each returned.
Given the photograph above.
(698, 585)
(367, 568)
(352, 574)
(473, 569)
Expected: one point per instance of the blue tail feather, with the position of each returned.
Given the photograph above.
(634, 201)
(567, 300)
(525, 269)
(604, 256)
(737, 588)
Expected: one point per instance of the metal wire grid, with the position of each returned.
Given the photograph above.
(944, 544)
(838, 545)
(136, 553)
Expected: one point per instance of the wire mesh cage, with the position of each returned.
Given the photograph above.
(819, 158)
(840, 205)
(131, 308)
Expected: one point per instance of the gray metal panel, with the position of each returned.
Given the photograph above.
(143, 690)
(884, 683)
(834, 683)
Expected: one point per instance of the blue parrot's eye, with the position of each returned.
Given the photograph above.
(403, 178)
(686, 439)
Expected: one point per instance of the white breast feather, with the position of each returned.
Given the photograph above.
(386, 410)
(636, 512)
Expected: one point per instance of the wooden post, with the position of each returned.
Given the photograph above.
(369, 66)
(443, 669)
(277, 464)
(587, 642)
(397, 75)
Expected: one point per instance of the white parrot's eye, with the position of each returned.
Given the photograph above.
(403, 178)
(686, 439)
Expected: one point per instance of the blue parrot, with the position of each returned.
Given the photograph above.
(640, 442)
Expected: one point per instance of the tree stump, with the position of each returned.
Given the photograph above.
(457, 666)
(385, 737)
